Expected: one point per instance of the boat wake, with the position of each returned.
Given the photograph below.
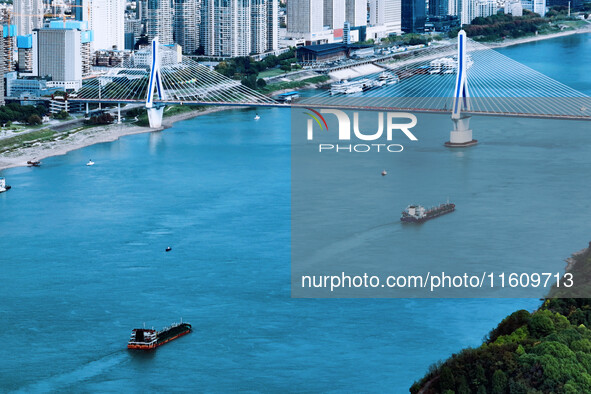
(89, 370)
(331, 251)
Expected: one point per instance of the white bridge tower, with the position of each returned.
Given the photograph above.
(155, 112)
(461, 135)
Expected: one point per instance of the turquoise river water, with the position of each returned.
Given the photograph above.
(83, 262)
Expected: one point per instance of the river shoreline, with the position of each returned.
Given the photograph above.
(110, 133)
(539, 37)
(88, 137)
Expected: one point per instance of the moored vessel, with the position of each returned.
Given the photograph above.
(349, 87)
(3, 186)
(148, 339)
(386, 78)
(418, 213)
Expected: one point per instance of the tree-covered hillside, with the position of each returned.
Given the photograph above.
(547, 351)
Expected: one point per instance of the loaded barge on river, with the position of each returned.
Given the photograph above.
(145, 339)
(418, 214)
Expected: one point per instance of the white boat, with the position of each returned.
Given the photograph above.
(448, 65)
(90, 163)
(257, 117)
(349, 87)
(387, 78)
(444, 65)
(3, 186)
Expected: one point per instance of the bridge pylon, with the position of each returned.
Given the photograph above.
(155, 112)
(461, 135)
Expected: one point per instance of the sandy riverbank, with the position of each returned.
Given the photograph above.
(87, 137)
(539, 37)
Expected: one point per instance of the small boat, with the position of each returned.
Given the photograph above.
(384, 173)
(90, 163)
(168, 249)
(3, 186)
(33, 163)
(257, 117)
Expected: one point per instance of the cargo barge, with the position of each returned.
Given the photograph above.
(418, 214)
(146, 339)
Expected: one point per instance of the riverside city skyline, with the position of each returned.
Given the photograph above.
(240, 28)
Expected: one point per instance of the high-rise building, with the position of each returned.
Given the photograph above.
(438, 7)
(347, 33)
(454, 7)
(356, 12)
(63, 53)
(142, 11)
(272, 25)
(8, 39)
(206, 34)
(305, 20)
(392, 16)
(107, 20)
(413, 16)
(334, 13)
(238, 27)
(574, 4)
(540, 7)
(28, 15)
(27, 54)
(2, 94)
(259, 26)
(159, 21)
(186, 20)
(470, 9)
(305, 16)
(133, 31)
(233, 22)
(384, 18)
(376, 12)
(513, 7)
(82, 10)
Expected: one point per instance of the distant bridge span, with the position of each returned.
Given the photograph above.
(463, 79)
(343, 107)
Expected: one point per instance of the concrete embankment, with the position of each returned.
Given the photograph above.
(354, 72)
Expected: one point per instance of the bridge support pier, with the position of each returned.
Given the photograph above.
(118, 113)
(155, 116)
(461, 135)
(155, 112)
(87, 109)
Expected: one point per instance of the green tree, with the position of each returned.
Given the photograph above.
(34, 120)
(499, 382)
(61, 115)
(462, 384)
(446, 379)
(541, 324)
(478, 376)
(261, 83)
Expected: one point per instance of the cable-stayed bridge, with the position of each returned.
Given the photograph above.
(464, 79)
